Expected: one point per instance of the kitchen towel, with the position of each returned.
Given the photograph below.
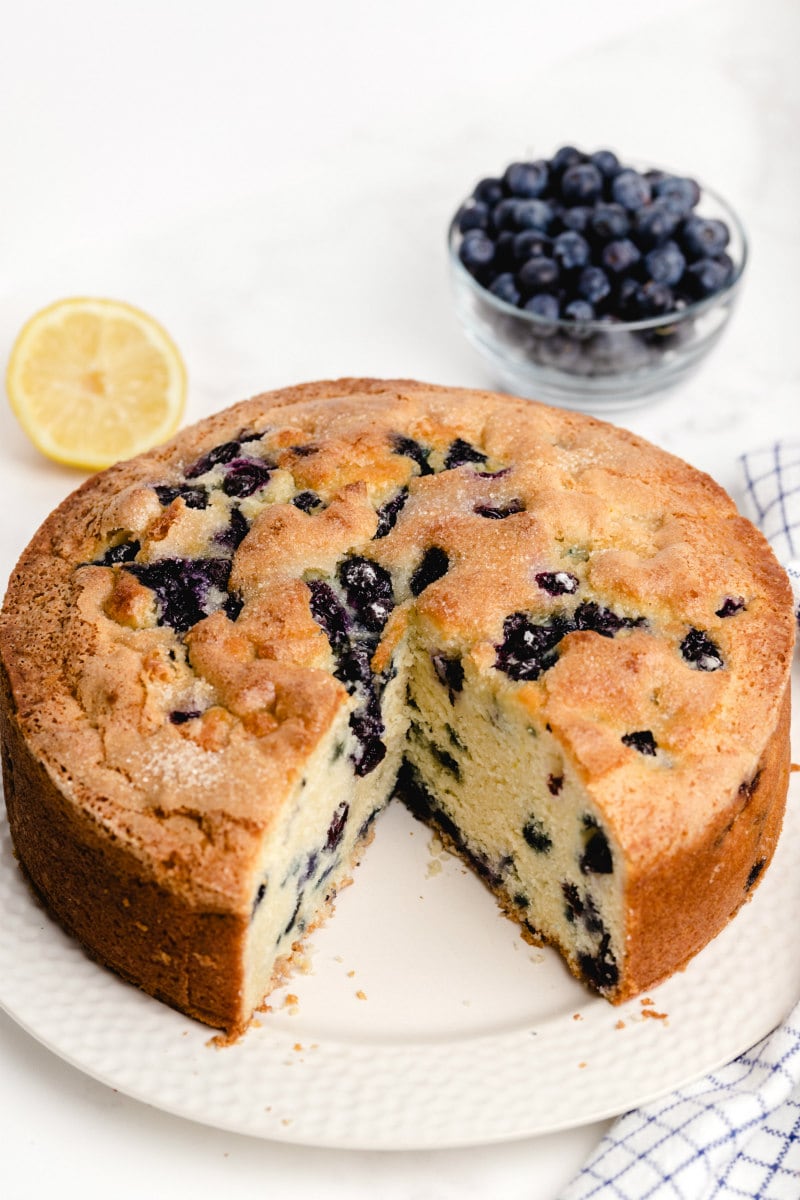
(771, 499)
(735, 1132)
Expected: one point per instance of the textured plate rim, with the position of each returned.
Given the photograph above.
(406, 1094)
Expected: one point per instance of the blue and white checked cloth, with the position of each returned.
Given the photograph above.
(771, 500)
(736, 1132)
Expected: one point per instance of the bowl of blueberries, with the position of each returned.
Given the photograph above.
(591, 284)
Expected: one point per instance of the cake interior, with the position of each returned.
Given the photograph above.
(471, 763)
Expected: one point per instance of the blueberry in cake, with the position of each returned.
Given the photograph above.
(558, 645)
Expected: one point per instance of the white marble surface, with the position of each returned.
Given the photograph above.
(274, 183)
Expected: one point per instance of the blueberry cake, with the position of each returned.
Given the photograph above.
(558, 645)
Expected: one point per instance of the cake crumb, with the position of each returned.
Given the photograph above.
(434, 868)
(646, 1000)
(361, 995)
(577, 1017)
(286, 1120)
(350, 974)
(297, 1046)
(794, 767)
(620, 1025)
(289, 998)
(657, 1016)
(581, 1065)
(338, 958)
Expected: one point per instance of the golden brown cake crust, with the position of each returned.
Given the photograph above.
(142, 833)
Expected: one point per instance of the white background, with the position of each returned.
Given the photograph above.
(274, 183)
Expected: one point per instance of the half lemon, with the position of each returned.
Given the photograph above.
(93, 381)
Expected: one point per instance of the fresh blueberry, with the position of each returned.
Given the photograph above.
(544, 307)
(504, 257)
(434, 565)
(538, 274)
(558, 583)
(653, 224)
(504, 215)
(630, 189)
(594, 285)
(307, 501)
(225, 453)
(193, 496)
(527, 178)
(610, 221)
(581, 184)
(606, 162)
(408, 448)
(578, 218)
(698, 649)
(245, 476)
(706, 277)
(627, 299)
(489, 191)
(680, 195)
(579, 311)
(641, 740)
(473, 215)
(476, 251)
(566, 156)
(571, 250)
(532, 243)
(496, 512)
(504, 287)
(654, 299)
(389, 512)
(619, 256)
(461, 452)
(533, 214)
(704, 237)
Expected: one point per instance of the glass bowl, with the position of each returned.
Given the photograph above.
(599, 365)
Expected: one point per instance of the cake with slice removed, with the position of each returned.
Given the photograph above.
(559, 645)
